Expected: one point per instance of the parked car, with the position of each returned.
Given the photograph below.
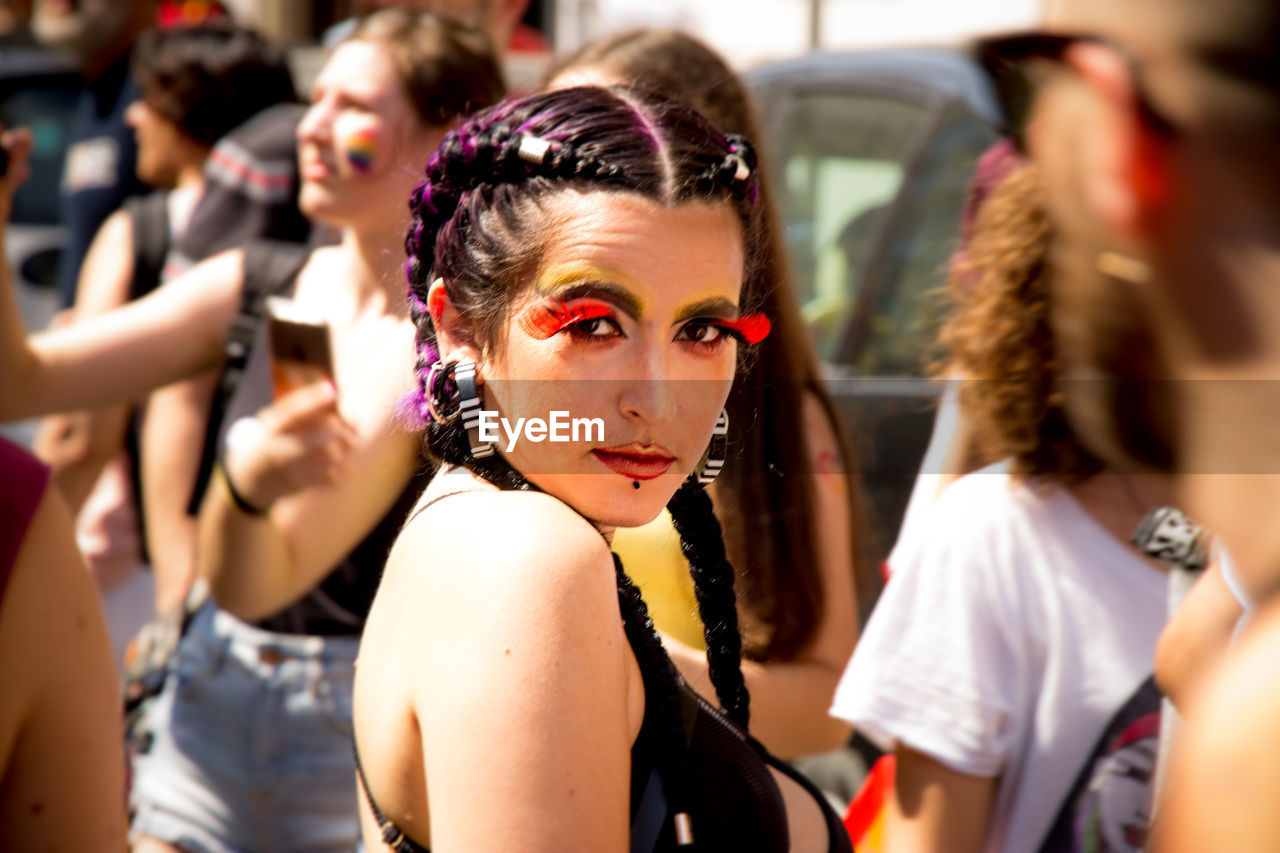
(871, 153)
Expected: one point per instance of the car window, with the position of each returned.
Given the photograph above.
(47, 108)
(840, 159)
(898, 319)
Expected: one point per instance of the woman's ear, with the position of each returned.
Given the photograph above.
(455, 337)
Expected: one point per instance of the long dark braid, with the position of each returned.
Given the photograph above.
(702, 542)
(476, 227)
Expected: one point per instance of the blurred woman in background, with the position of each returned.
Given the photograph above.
(250, 741)
(1008, 662)
(197, 83)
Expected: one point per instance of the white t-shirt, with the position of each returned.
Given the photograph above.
(1012, 629)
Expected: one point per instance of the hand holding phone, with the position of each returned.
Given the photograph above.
(300, 347)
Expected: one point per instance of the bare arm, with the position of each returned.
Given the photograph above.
(171, 442)
(790, 699)
(60, 722)
(1196, 637)
(935, 808)
(1224, 779)
(327, 479)
(78, 445)
(175, 332)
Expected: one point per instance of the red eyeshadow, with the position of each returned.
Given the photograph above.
(543, 321)
(754, 328)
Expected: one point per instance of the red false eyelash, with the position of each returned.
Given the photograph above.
(543, 321)
(752, 328)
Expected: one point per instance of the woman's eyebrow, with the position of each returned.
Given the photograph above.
(620, 297)
(717, 306)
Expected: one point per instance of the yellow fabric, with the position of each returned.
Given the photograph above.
(651, 555)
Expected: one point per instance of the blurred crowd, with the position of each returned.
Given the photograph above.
(257, 461)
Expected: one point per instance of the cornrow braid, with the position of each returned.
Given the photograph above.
(740, 161)
(702, 542)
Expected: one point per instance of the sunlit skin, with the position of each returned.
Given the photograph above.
(358, 104)
(163, 150)
(625, 320)
(573, 307)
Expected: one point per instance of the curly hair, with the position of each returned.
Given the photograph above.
(999, 342)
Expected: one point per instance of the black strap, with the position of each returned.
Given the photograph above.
(150, 215)
(270, 266)
(392, 835)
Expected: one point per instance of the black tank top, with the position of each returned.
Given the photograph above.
(736, 802)
(339, 604)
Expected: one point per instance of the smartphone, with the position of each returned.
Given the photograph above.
(300, 346)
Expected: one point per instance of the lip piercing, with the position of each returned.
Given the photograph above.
(635, 484)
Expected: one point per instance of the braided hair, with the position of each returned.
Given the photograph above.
(476, 226)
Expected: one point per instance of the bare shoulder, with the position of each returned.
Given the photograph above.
(50, 595)
(821, 437)
(1237, 709)
(62, 723)
(1225, 782)
(819, 428)
(505, 536)
(116, 230)
(493, 570)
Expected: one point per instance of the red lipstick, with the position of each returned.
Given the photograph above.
(635, 461)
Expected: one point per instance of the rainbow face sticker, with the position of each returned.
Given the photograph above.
(360, 149)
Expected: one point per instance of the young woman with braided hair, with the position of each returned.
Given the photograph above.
(587, 251)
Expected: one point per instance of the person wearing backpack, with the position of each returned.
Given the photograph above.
(250, 739)
(197, 84)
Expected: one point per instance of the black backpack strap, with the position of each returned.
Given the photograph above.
(150, 214)
(270, 267)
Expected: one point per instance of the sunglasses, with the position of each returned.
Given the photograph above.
(1016, 65)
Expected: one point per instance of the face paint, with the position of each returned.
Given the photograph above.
(553, 316)
(753, 328)
(360, 149)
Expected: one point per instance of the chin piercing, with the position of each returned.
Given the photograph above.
(635, 484)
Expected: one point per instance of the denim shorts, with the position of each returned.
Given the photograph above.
(250, 745)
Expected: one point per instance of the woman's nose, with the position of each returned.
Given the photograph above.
(315, 123)
(648, 395)
(133, 114)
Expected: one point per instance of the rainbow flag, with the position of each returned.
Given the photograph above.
(865, 817)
